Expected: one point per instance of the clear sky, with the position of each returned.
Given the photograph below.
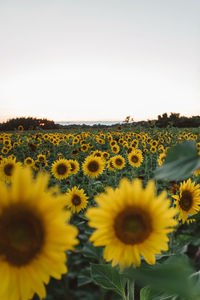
(99, 59)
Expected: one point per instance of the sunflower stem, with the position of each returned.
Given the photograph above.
(130, 290)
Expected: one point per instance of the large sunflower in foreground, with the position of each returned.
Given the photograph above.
(61, 168)
(188, 199)
(34, 236)
(76, 199)
(131, 221)
(93, 166)
(7, 168)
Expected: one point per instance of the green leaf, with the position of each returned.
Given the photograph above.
(92, 252)
(170, 277)
(84, 277)
(108, 278)
(181, 161)
(147, 293)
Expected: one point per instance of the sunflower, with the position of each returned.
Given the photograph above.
(153, 149)
(76, 199)
(115, 149)
(20, 128)
(84, 147)
(196, 172)
(34, 236)
(188, 199)
(61, 168)
(135, 158)
(74, 166)
(7, 168)
(93, 166)
(131, 221)
(118, 162)
(110, 165)
(5, 150)
(29, 161)
(161, 159)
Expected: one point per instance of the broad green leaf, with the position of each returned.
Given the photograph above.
(109, 278)
(170, 277)
(181, 161)
(147, 293)
(180, 151)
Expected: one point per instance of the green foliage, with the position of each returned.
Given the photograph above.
(181, 161)
(108, 278)
(172, 277)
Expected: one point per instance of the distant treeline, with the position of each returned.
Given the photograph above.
(174, 119)
(28, 124)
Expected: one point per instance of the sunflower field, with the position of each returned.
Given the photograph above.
(100, 214)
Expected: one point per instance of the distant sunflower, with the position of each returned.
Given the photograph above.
(118, 162)
(197, 172)
(74, 166)
(131, 221)
(20, 128)
(106, 155)
(5, 150)
(84, 147)
(76, 199)
(34, 236)
(135, 158)
(153, 149)
(188, 199)
(61, 168)
(110, 165)
(29, 161)
(161, 159)
(7, 169)
(115, 149)
(93, 166)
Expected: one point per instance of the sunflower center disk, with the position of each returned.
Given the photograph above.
(132, 226)
(93, 166)
(61, 169)
(118, 162)
(134, 159)
(21, 235)
(8, 169)
(186, 200)
(76, 200)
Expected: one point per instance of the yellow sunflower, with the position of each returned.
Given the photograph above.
(118, 162)
(93, 166)
(188, 199)
(110, 165)
(61, 168)
(74, 166)
(20, 128)
(161, 159)
(7, 168)
(131, 221)
(135, 158)
(29, 161)
(76, 199)
(34, 236)
(115, 149)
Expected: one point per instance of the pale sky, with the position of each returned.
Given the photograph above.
(99, 59)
